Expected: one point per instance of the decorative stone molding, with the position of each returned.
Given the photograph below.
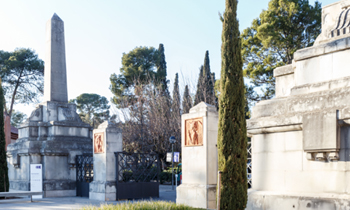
(343, 22)
(322, 156)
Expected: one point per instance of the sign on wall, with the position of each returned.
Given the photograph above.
(36, 179)
(98, 143)
(194, 132)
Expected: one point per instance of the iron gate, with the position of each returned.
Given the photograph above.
(137, 175)
(85, 175)
(249, 164)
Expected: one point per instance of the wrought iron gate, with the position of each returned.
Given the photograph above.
(137, 175)
(249, 164)
(85, 174)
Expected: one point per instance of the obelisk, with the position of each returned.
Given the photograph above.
(53, 135)
(55, 87)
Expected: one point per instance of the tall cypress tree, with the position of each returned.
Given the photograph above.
(199, 93)
(232, 137)
(162, 70)
(176, 96)
(176, 113)
(205, 86)
(186, 101)
(4, 179)
(213, 96)
(208, 82)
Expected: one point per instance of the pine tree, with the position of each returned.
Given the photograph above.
(4, 180)
(232, 139)
(186, 101)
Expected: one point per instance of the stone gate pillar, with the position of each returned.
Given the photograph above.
(107, 140)
(199, 130)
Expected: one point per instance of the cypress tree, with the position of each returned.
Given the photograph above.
(208, 83)
(4, 179)
(186, 101)
(205, 86)
(176, 113)
(214, 99)
(232, 137)
(176, 96)
(162, 70)
(199, 93)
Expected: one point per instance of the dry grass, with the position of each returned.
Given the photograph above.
(142, 205)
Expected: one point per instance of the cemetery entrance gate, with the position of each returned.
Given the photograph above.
(85, 175)
(137, 175)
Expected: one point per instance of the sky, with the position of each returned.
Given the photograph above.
(97, 33)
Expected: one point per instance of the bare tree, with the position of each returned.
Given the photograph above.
(148, 122)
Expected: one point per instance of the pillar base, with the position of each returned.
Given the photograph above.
(266, 200)
(198, 196)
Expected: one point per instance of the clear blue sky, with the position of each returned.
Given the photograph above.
(97, 33)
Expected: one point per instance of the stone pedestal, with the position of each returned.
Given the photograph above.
(53, 135)
(107, 141)
(199, 130)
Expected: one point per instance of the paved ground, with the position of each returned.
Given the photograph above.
(72, 203)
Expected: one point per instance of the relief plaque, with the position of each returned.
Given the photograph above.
(98, 143)
(194, 132)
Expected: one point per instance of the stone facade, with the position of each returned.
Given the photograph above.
(301, 138)
(107, 140)
(199, 157)
(54, 134)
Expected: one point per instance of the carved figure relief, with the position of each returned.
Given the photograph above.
(36, 114)
(98, 143)
(194, 132)
(67, 113)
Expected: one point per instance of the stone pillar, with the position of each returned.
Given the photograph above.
(107, 141)
(199, 130)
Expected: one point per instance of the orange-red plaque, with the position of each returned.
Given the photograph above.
(194, 132)
(98, 143)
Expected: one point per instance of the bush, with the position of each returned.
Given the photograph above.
(143, 205)
(165, 176)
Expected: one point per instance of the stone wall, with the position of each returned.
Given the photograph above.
(300, 139)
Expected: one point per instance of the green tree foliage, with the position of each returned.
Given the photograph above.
(162, 71)
(138, 68)
(232, 136)
(161, 77)
(92, 108)
(176, 96)
(22, 74)
(17, 118)
(186, 101)
(205, 85)
(272, 39)
(4, 180)
(199, 97)
(176, 109)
